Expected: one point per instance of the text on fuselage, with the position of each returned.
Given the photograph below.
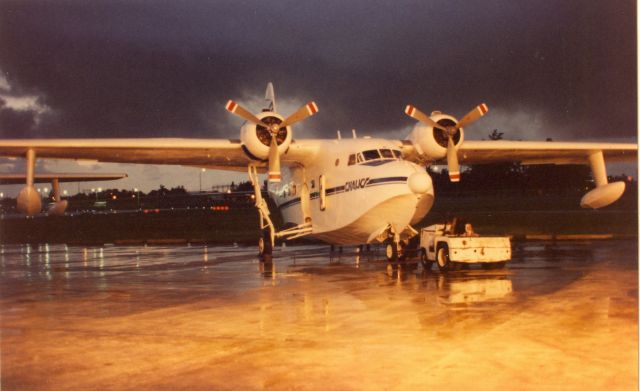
(356, 184)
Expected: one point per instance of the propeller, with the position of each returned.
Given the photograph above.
(302, 113)
(452, 154)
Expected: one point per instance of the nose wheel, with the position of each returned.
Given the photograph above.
(391, 251)
(394, 251)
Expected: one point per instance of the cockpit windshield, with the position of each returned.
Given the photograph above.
(386, 154)
(373, 155)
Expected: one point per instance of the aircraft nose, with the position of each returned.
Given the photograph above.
(419, 182)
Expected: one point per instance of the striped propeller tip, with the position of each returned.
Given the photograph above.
(312, 108)
(409, 110)
(231, 106)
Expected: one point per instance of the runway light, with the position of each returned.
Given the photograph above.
(114, 197)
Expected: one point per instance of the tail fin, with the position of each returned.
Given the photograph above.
(270, 97)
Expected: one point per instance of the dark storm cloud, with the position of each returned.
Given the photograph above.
(127, 69)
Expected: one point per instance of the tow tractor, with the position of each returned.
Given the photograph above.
(453, 245)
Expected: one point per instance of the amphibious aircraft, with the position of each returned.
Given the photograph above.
(343, 190)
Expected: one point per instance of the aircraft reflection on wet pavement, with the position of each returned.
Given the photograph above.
(80, 316)
(52, 262)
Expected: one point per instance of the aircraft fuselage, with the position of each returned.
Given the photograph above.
(357, 188)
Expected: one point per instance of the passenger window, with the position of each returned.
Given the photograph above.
(352, 159)
(386, 153)
(397, 154)
(371, 155)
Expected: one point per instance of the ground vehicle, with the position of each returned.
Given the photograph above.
(450, 251)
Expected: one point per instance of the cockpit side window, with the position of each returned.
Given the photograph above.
(360, 158)
(352, 159)
(397, 154)
(386, 153)
(371, 154)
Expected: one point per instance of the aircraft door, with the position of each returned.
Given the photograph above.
(323, 192)
(304, 202)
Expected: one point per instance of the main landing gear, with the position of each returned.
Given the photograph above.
(268, 233)
(265, 247)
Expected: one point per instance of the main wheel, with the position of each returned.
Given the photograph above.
(442, 258)
(265, 249)
(426, 263)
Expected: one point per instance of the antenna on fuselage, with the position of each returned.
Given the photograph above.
(339, 135)
(270, 97)
(353, 132)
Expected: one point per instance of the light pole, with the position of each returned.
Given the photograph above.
(201, 171)
(137, 196)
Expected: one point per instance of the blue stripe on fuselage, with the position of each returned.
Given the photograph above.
(340, 189)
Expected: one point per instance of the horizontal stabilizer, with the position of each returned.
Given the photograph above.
(16, 179)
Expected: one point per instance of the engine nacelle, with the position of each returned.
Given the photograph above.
(29, 201)
(431, 143)
(256, 139)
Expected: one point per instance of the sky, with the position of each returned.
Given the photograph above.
(565, 69)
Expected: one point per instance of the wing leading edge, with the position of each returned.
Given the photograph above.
(207, 153)
(543, 152)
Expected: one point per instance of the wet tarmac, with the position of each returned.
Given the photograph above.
(559, 316)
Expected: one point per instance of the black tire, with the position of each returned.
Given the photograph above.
(391, 251)
(426, 263)
(442, 258)
(265, 249)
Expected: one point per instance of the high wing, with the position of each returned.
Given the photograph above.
(532, 152)
(543, 152)
(17, 179)
(224, 154)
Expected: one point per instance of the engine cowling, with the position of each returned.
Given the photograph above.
(256, 138)
(430, 142)
(29, 201)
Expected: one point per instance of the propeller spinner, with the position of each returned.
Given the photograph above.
(450, 131)
(302, 113)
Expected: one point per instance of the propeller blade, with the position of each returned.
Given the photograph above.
(274, 161)
(473, 115)
(414, 113)
(241, 112)
(305, 111)
(452, 161)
